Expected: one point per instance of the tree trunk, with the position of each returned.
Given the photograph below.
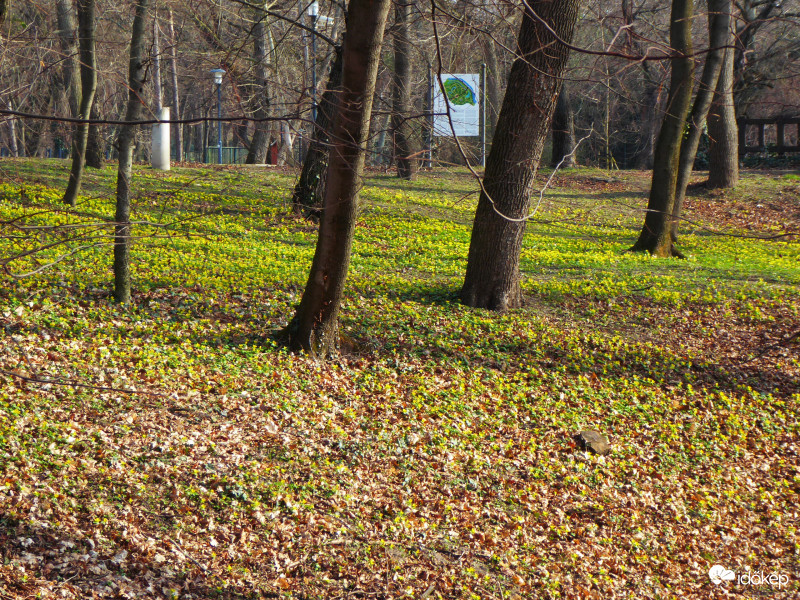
(492, 277)
(563, 132)
(723, 152)
(493, 85)
(94, 143)
(176, 106)
(719, 22)
(315, 328)
(402, 129)
(12, 133)
(86, 33)
(122, 217)
(259, 145)
(69, 49)
(656, 234)
(652, 99)
(156, 61)
(310, 189)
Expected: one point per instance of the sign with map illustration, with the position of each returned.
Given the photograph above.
(461, 96)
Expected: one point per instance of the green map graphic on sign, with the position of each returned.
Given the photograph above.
(459, 92)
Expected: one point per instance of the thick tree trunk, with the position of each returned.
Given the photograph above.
(723, 152)
(86, 34)
(656, 234)
(310, 188)
(492, 277)
(402, 129)
(259, 145)
(122, 217)
(563, 132)
(719, 22)
(314, 328)
(176, 105)
(94, 143)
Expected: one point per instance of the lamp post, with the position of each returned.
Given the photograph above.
(218, 73)
(313, 13)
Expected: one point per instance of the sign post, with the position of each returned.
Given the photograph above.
(459, 108)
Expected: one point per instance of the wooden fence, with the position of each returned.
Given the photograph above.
(782, 138)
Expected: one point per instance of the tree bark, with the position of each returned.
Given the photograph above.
(723, 152)
(122, 217)
(402, 130)
(492, 276)
(656, 234)
(563, 132)
(315, 328)
(176, 105)
(719, 22)
(69, 50)
(310, 188)
(86, 35)
(259, 145)
(493, 86)
(94, 142)
(12, 133)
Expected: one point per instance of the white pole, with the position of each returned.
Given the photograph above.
(159, 158)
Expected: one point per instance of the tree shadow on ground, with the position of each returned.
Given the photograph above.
(40, 561)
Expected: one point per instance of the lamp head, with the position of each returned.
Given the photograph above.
(218, 73)
(313, 9)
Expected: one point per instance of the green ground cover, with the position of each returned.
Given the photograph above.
(175, 451)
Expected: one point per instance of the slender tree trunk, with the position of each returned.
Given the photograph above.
(723, 152)
(69, 50)
(86, 33)
(310, 189)
(259, 145)
(656, 234)
(122, 217)
(492, 277)
(493, 83)
(94, 143)
(402, 129)
(315, 327)
(719, 21)
(176, 106)
(156, 58)
(652, 99)
(563, 132)
(12, 133)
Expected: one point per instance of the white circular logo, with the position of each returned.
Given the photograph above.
(718, 574)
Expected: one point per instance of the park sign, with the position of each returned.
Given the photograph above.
(460, 93)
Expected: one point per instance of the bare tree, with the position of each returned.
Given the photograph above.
(122, 217)
(563, 132)
(723, 151)
(656, 234)
(315, 326)
(719, 22)
(492, 277)
(86, 44)
(402, 129)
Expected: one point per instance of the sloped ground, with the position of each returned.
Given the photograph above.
(174, 452)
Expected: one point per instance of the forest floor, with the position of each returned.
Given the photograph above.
(169, 449)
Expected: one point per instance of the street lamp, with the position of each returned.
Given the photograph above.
(313, 13)
(218, 73)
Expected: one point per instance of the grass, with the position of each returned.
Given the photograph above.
(170, 449)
